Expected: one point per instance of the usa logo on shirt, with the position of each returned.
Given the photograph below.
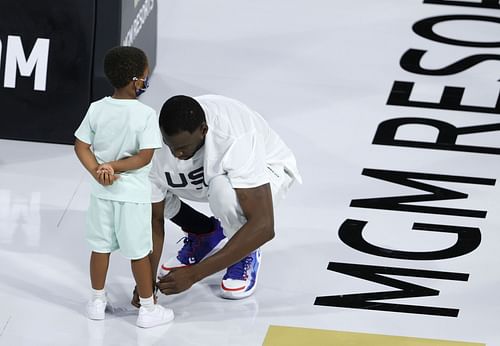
(181, 180)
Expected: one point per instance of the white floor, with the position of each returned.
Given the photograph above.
(321, 72)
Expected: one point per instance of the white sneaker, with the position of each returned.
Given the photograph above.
(158, 316)
(96, 308)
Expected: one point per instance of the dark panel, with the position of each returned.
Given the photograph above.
(108, 26)
(51, 60)
(30, 109)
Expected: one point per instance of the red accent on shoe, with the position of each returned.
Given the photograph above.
(170, 268)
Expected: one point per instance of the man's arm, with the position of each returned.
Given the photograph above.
(158, 228)
(257, 205)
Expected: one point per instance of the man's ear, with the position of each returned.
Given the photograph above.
(204, 128)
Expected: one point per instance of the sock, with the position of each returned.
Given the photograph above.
(147, 303)
(193, 221)
(98, 294)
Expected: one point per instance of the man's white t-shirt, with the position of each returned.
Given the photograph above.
(117, 129)
(239, 143)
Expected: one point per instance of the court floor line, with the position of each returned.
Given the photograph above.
(5, 326)
(70, 201)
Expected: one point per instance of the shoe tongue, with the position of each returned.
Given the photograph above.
(237, 270)
(187, 250)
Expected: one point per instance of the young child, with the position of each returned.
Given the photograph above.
(115, 143)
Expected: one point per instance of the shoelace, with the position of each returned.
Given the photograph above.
(188, 247)
(239, 271)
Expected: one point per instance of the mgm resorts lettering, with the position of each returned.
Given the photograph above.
(468, 238)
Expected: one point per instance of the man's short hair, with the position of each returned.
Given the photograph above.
(122, 64)
(181, 113)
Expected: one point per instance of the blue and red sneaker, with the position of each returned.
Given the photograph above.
(240, 279)
(196, 248)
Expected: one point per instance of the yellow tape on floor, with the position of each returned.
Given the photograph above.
(290, 336)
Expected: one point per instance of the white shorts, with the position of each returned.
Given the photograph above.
(222, 198)
(124, 226)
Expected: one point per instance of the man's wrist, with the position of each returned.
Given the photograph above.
(200, 272)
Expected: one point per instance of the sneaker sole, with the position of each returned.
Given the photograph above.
(156, 324)
(235, 295)
(96, 317)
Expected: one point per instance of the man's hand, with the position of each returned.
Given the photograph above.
(177, 280)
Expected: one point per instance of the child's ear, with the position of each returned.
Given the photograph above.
(134, 85)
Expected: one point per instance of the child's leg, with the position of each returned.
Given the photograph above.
(150, 314)
(158, 239)
(136, 242)
(99, 263)
(101, 238)
(143, 276)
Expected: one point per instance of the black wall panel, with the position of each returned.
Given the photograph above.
(51, 55)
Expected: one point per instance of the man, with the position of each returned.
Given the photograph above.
(217, 151)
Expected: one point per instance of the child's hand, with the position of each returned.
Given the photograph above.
(105, 174)
(105, 168)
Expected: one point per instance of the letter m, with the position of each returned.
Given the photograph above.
(37, 60)
(402, 203)
(371, 301)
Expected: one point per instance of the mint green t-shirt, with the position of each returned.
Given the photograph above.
(117, 129)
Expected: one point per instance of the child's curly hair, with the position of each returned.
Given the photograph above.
(122, 64)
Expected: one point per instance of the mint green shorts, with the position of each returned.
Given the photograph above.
(124, 226)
